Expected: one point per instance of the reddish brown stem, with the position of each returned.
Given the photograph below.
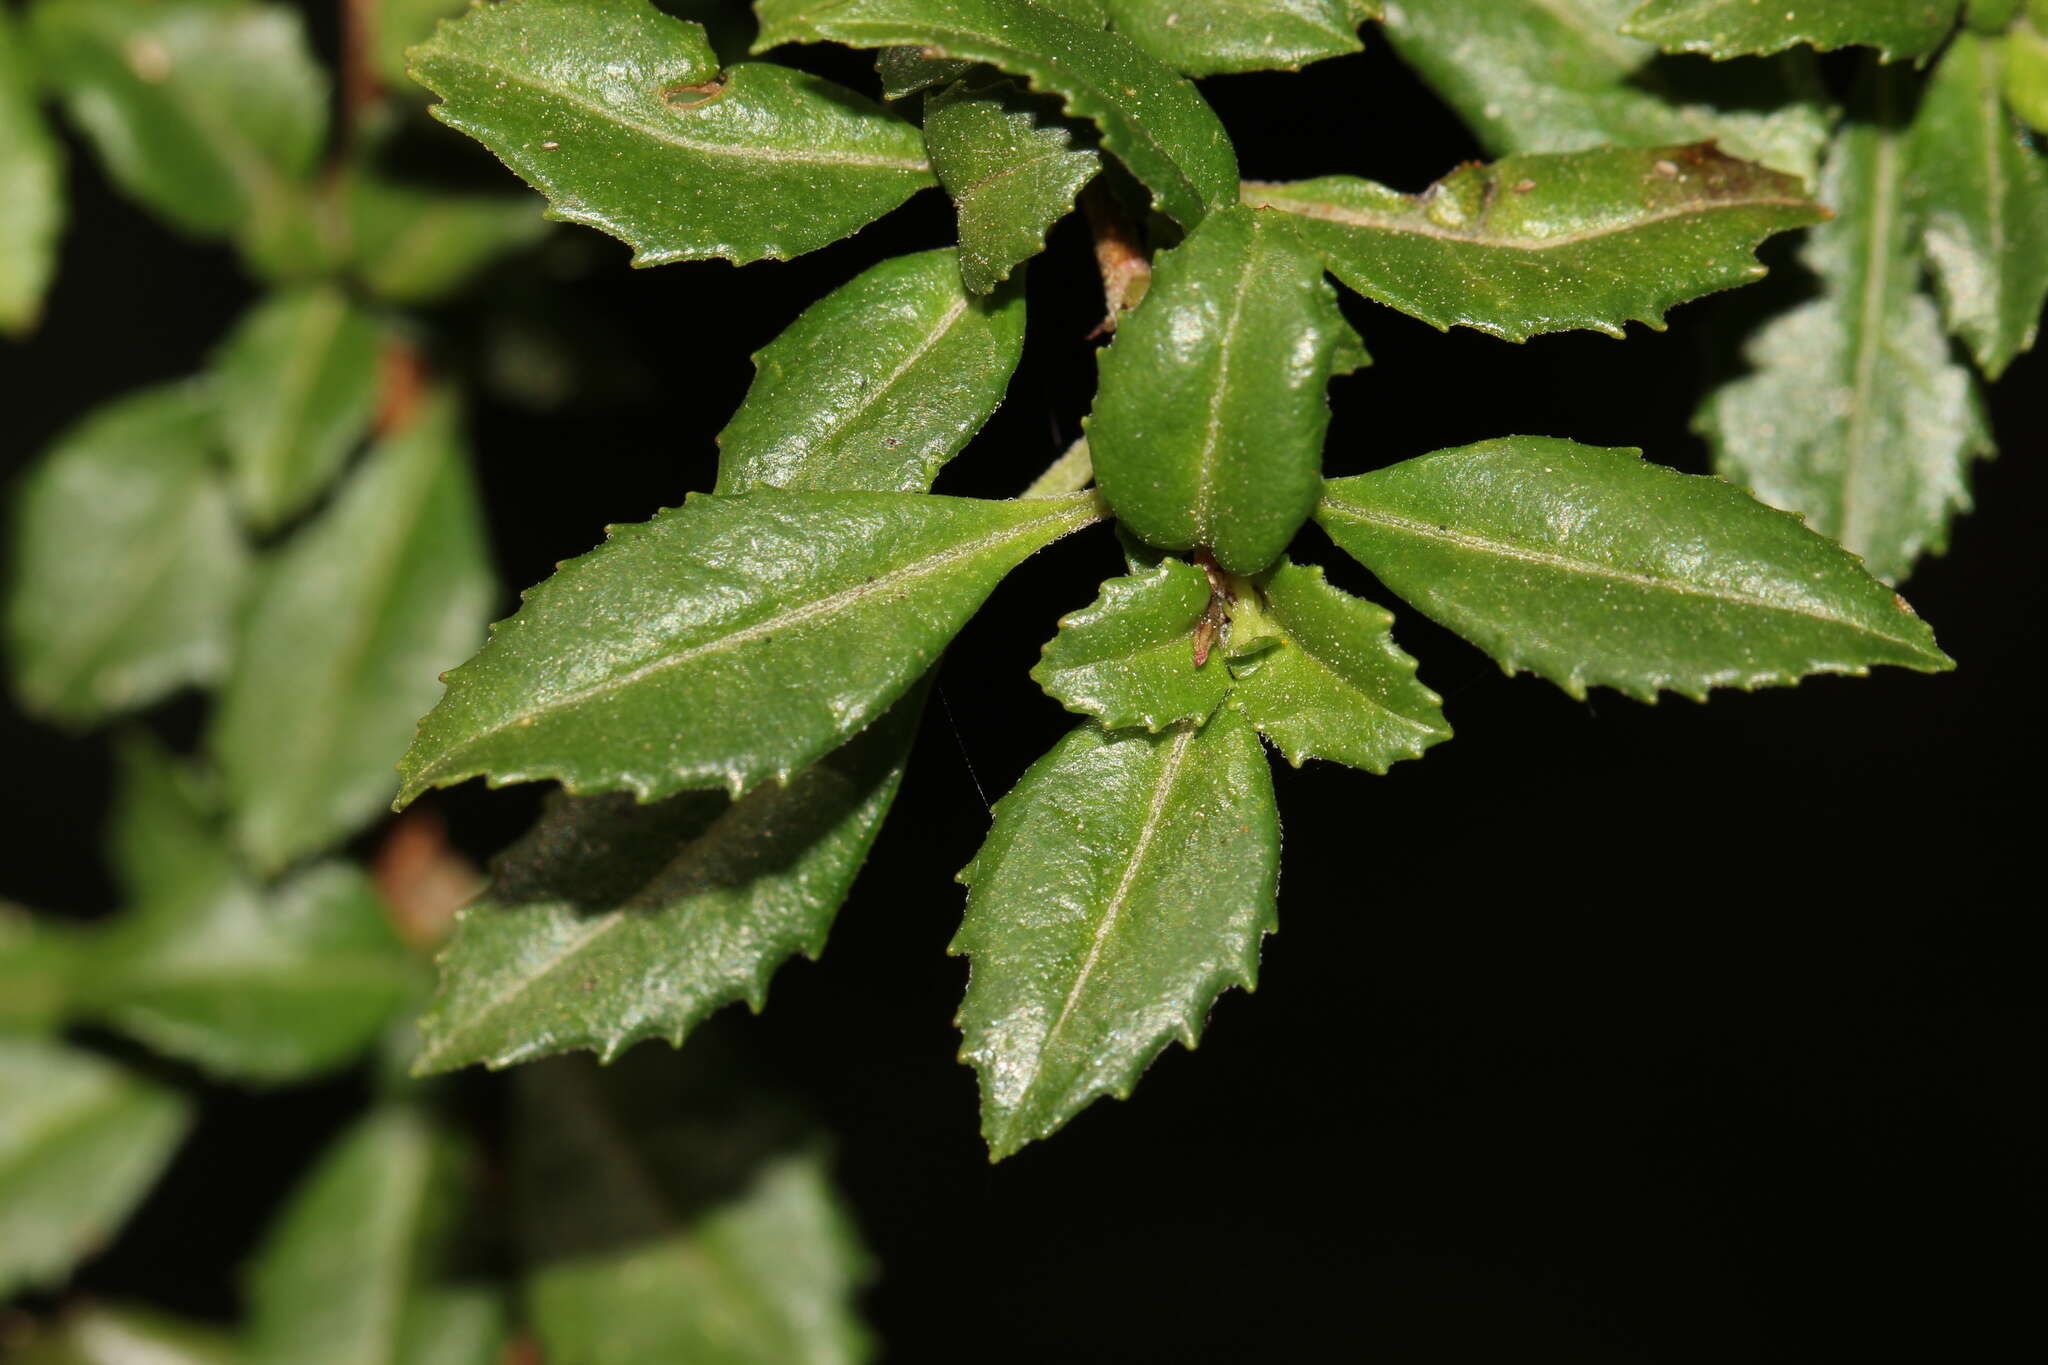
(1119, 253)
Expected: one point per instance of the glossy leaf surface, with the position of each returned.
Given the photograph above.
(613, 921)
(297, 385)
(1209, 37)
(203, 110)
(1854, 415)
(31, 185)
(1126, 884)
(877, 385)
(80, 1142)
(1593, 567)
(1539, 243)
(1208, 426)
(728, 641)
(621, 115)
(1012, 169)
(1151, 119)
(127, 564)
(350, 1274)
(1128, 659)
(355, 620)
(1557, 76)
(1981, 194)
(1736, 28)
(1319, 674)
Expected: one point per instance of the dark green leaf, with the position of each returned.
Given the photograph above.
(338, 665)
(1208, 427)
(621, 116)
(1129, 659)
(877, 385)
(1013, 171)
(613, 922)
(297, 385)
(1991, 16)
(1126, 884)
(205, 110)
(349, 1274)
(2026, 74)
(39, 963)
(1318, 672)
(127, 562)
(31, 185)
(102, 1334)
(728, 641)
(1736, 28)
(80, 1143)
(1542, 243)
(666, 1219)
(1981, 193)
(416, 245)
(1594, 568)
(1555, 76)
(1151, 119)
(1207, 37)
(1854, 415)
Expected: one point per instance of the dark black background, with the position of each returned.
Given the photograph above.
(1636, 1033)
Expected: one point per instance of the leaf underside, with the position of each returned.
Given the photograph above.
(1011, 168)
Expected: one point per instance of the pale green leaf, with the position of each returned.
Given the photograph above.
(877, 385)
(1556, 76)
(296, 384)
(2026, 74)
(1547, 243)
(1126, 883)
(31, 185)
(40, 961)
(205, 110)
(395, 26)
(1012, 169)
(350, 1272)
(1129, 658)
(1981, 193)
(1208, 426)
(106, 1334)
(726, 642)
(667, 1221)
(1736, 28)
(127, 564)
(1854, 415)
(350, 626)
(1151, 119)
(416, 245)
(1318, 672)
(613, 921)
(80, 1143)
(1208, 37)
(622, 117)
(1593, 567)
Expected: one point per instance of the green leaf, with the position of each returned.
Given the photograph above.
(417, 245)
(1854, 414)
(1209, 37)
(350, 1272)
(1548, 243)
(1208, 427)
(1012, 169)
(1981, 194)
(1151, 119)
(127, 565)
(1592, 568)
(620, 115)
(665, 1220)
(877, 385)
(297, 385)
(396, 25)
(612, 922)
(1320, 676)
(1129, 659)
(1737, 28)
(105, 1334)
(1555, 76)
(31, 185)
(1991, 16)
(1125, 885)
(337, 666)
(205, 110)
(39, 965)
(2026, 74)
(728, 641)
(80, 1144)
